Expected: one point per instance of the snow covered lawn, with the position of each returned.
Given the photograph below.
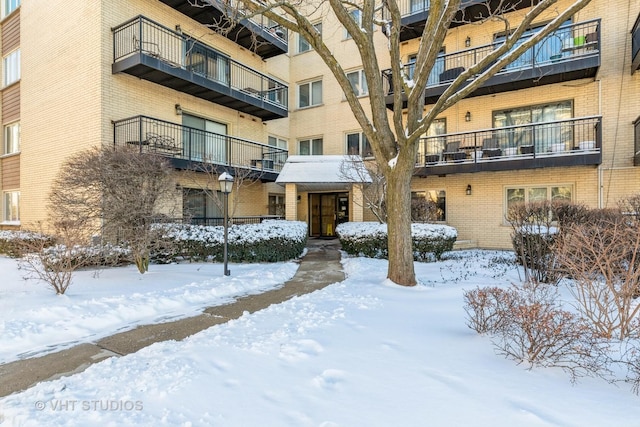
(361, 352)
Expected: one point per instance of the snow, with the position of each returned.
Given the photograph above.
(362, 352)
(321, 169)
(370, 228)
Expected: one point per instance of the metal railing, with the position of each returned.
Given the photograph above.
(236, 10)
(182, 142)
(219, 221)
(544, 139)
(140, 35)
(414, 7)
(564, 44)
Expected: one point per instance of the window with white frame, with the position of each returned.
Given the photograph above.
(428, 206)
(303, 45)
(275, 141)
(356, 14)
(11, 136)
(10, 206)
(11, 68)
(310, 147)
(358, 82)
(9, 6)
(537, 193)
(358, 144)
(310, 94)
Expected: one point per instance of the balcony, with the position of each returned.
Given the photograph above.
(572, 142)
(256, 34)
(150, 51)
(635, 46)
(569, 53)
(195, 149)
(414, 13)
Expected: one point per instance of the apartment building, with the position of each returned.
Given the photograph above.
(560, 122)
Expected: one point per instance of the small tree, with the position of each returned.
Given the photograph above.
(114, 194)
(354, 170)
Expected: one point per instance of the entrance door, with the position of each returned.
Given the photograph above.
(327, 210)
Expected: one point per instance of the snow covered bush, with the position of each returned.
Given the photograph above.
(369, 239)
(269, 241)
(13, 243)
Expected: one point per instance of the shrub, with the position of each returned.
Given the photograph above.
(269, 241)
(528, 325)
(13, 243)
(369, 239)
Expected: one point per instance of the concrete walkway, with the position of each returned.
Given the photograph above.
(318, 268)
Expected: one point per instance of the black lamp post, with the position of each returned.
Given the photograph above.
(226, 184)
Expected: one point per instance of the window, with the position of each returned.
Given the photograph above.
(9, 6)
(310, 147)
(274, 141)
(199, 207)
(358, 82)
(428, 206)
(543, 136)
(419, 5)
(303, 45)
(310, 94)
(11, 138)
(358, 144)
(276, 204)
(432, 144)
(531, 194)
(11, 206)
(356, 14)
(203, 139)
(11, 68)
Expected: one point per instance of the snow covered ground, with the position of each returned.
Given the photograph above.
(362, 352)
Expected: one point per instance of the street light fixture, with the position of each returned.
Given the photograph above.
(226, 184)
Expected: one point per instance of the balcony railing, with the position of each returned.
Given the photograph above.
(254, 32)
(636, 145)
(635, 46)
(191, 148)
(555, 54)
(414, 13)
(568, 142)
(180, 62)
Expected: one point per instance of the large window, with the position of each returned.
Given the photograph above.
(544, 137)
(204, 140)
(11, 68)
(358, 144)
(9, 6)
(275, 141)
(537, 193)
(310, 94)
(428, 206)
(11, 206)
(358, 82)
(11, 137)
(310, 147)
(303, 45)
(199, 208)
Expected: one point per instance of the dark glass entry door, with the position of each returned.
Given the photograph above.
(327, 210)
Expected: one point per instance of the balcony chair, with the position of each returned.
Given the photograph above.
(490, 148)
(452, 152)
(450, 74)
(526, 149)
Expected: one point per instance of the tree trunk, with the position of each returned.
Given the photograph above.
(398, 199)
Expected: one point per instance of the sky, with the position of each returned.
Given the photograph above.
(362, 352)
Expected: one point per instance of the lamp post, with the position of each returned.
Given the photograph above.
(226, 184)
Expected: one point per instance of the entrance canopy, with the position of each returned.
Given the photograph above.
(323, 173)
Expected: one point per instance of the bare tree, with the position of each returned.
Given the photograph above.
(394, 136)
(114, 194)
(354, 170)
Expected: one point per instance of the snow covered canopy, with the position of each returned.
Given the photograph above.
(318, 173)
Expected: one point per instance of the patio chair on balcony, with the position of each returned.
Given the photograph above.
(148, 48)
(490, 148)
(162, 144)
(526, 149)
(450, 74)
(452, 152)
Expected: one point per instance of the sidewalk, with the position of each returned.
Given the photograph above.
(318, 268)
